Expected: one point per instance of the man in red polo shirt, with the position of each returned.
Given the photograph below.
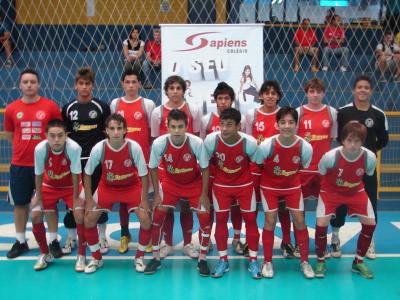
(305, 41)
(153, 56)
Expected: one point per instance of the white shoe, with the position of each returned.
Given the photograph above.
(336, 250)
(139, 264)
(324, 68)
(267, 270)
(104, 247)
(43, 261)
(70, 244)
(80, 264)
(371, 252)
(165, 251)
(343, 69)
(307, 270)
(190, 251)
(93, 266)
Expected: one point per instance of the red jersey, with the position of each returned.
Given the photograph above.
(57, 170)
(164, 115)
(333, 32)
(213, 124)
(154, 49)
(264, 125)
(27, 121)
(306, 38)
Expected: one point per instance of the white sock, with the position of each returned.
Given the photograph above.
(102, 230)
(71, 233)
(52, 236)
(20, 236)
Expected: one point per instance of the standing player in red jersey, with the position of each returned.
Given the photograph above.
(342, 170)
(281, 157)
(261, 124)
(123, 179)
(224, 96)
(186, 177)
(25, 122)
(174, 88)
(231, 152)
(57, 176)
(137, 113)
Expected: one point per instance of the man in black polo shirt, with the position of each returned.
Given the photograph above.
(362, 111)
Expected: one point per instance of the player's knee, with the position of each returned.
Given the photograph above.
(90, 220)
(103, 218)
(145, 221)
(79, 216)
(37, 217)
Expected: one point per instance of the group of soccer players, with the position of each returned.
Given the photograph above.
(92, 156)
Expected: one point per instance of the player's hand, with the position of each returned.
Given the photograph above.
(90, 205)
(144, 204)
(36, 201)
(79, 202)
(204, 202)
(156, 201)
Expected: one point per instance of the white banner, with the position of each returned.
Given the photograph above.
(204, 55)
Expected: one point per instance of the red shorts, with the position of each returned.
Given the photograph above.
(172, 193)
(357, 204)
(225, 197)
(51, 196)
(293, 199)
(256, 184)
(310, 184)
(106, 196)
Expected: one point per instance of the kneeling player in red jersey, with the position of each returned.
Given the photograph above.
(123, 179)
(57, 176)
(342, 170)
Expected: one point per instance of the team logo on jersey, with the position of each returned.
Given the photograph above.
(92, 114)
(239, 158)
(64, 162)
(137, 115)
(308, 136)
(360, 172)
(326, 123)
(187, 157)
(296, 159)
(128, 163)
(168, 158)
(20, 114)
(369, 123)
(75, 126)
(40, 115)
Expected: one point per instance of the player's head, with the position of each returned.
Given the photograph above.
(224, 95)
(116, 127)
(56, 133)
(134, 34)
(287, 118)
(157, 33)
(270, 93)
(177, 123)
(174, 88)
(230, 122)
(353, 136)
(362, 88)
(84, 82)
(130, 81)
(29, 82)
(247, 72)
(315, 91)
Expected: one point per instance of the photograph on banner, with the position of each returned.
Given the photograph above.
(204, 55)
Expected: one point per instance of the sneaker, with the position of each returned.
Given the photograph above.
(139, 264)
(296, 68)
(362, 269)
(336, 251)
(203, 268)
(152, 266)
(17, 249)
(296, 252)
(70, 244)
(165, 251)
(254, 269)
(343, 69)
(314, 69)
(371, 252)
(324, 68)
(149, 248)
(238, 246)
(288, 250)
(190, 251)
(43, 261)
(320, 269)
(104, 247)
(267, 270)
(80, 264)
(93, 266)
(246, 250)
(124, 244)
(220, 269)
(327, 253)
(55, 249)
(307, 270)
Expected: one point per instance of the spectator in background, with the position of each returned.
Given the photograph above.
(133, 50)
(388, 57)
(5, 39)
(153, 56)
(305, 41)
(334, 40)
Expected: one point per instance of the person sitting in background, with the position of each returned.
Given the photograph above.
(133, 50)
(305, 41)
(334, 39)
(153, 56)
(388, 57)
(5, 39)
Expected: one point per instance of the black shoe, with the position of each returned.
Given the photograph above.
(17, 249)
(55, 249)
(246, 250)
(288, 250)
(203, 268)
(152, 266)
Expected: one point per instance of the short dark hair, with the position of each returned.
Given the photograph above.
(174, 79)
(271, 84)
(56, 123)
(231, 114)
(362, 78)
(287, 110)
(224, 88)
(85, 73)
(29, 71)
(177, 115)
(129, 72)
(354, 129)
(116, 117)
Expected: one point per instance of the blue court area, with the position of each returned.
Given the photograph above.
(178, 278)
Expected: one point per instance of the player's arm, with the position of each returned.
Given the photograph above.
(263, 152)
(371, 163)
(154, 162)
(144, 202)
(155, 122)
(74, 152)
(92, 163)
(9, 135)
(140, 163)
(39, 159)
(202, 158)
(306, 154)
(382, 136)
(37, 200)
(156, 187)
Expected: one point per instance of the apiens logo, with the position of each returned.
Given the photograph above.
(201, 40)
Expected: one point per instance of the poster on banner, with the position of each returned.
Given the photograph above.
(205, 55)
